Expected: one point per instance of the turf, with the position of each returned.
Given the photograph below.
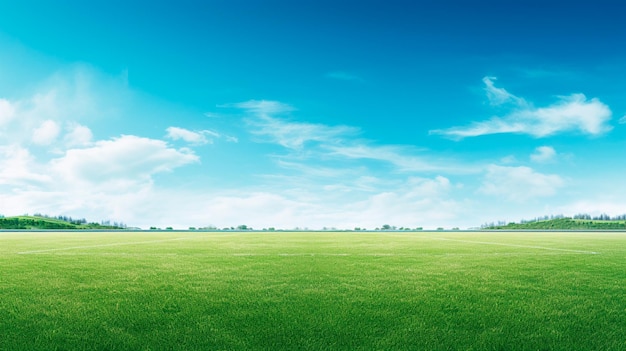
(312, 291)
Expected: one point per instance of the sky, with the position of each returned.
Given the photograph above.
(312, 114)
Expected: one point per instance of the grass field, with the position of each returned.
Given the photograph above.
(312, 291)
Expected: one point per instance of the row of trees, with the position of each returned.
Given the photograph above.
(578, 222)
(244, 227)
(602, 217)
(62, 218)
(585, 216)
(81, 221)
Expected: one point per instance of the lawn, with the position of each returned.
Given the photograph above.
(312, 291)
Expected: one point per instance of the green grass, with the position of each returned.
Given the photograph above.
(312, 291)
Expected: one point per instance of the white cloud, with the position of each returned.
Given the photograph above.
(622, 120)
(519, 183)
(543, 154)
(19, 169)
(498, 96)
(194, 137)
(122, 161)
(572, 113)
(78, 135)
(46, 133)
(112, 179)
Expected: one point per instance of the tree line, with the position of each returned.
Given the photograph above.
(556, 222)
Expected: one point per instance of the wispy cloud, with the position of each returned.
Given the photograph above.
(574, 113)
(341, 75)
(336, 142)
(294, 135)
(622, 120)
(386, 153)
(262, 108)
(543, 154)
(290, 134)
(499, 96)
(194, 137)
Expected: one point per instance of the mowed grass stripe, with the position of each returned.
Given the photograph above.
(305, 254)
(520, 246)
(332, 291)
(102, 245)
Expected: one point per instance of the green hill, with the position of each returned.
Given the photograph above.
(37, 222)
(564, 224)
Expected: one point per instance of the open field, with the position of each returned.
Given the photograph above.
(312, 291)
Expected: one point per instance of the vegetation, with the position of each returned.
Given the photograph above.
(563, 223)
(312, 291)
(37, 222)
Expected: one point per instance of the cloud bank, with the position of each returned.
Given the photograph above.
(519, 183)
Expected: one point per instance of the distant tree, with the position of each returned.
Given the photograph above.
(386, 227)
(242, 227)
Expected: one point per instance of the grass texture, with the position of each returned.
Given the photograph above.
(312, 291)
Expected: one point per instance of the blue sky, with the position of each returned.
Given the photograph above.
(312, 114)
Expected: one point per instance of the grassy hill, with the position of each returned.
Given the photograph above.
(37, 222)
(564, 224)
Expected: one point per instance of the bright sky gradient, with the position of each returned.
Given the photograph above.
(312, 114)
